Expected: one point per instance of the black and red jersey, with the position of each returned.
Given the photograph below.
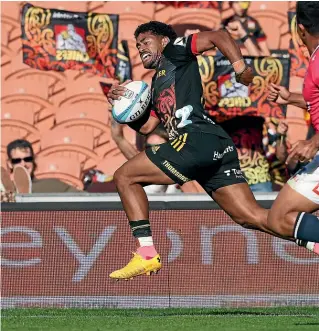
(177, 94)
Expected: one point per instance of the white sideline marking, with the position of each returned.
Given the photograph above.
(114, 197)
(215, 301)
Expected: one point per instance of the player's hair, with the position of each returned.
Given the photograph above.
(157, 28)
(308, 15)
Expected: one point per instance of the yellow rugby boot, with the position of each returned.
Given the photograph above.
(138, 266)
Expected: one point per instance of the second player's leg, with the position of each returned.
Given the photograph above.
(291, 213)
(284, 212)
(239, 203)
(130, 179)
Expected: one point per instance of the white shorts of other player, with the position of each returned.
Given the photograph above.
(160, 189)
(306, 180)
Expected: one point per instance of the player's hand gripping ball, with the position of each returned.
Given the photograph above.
(132, 102)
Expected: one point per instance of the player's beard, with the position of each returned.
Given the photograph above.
(153, 62)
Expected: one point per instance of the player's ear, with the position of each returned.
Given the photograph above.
(165, 41)
(301, 30)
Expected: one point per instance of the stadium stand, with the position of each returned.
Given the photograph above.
(70, 143)
(65, 169)
(56, 100)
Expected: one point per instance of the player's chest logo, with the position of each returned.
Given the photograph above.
(164, 78)
(165, 74)
(161, 73)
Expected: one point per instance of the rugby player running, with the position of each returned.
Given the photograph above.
(198, 149)
(300, 196)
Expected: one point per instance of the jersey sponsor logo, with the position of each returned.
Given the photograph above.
(181, 41)
(236, 172)
(218, 155)
(175, 172)
(161, 73)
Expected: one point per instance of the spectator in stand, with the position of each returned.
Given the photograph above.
(283, 146)
(277, 168)
(246, 30)
(22, 165)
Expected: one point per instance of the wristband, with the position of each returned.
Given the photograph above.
(243, 39)
(239, 66)
(238, 75)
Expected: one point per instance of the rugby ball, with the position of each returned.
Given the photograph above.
(133, 104)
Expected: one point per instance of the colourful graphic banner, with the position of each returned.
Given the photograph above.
(225, 98)
(60, 40)
(124, 67)
(244, 111)
(123, 70)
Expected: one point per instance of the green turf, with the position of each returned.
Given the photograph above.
(270, 319)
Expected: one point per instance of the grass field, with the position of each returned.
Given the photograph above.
(270, 319)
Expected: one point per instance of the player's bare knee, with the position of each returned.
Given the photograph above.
(120, 178)
(272, 217)
(281, 223)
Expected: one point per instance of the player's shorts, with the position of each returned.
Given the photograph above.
(209, 159)
(306, 180)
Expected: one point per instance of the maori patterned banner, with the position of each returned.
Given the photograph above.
(299, 61)
(244, 111)
(123, 70)
(226, 99)
(124, 67)
(60, 40)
